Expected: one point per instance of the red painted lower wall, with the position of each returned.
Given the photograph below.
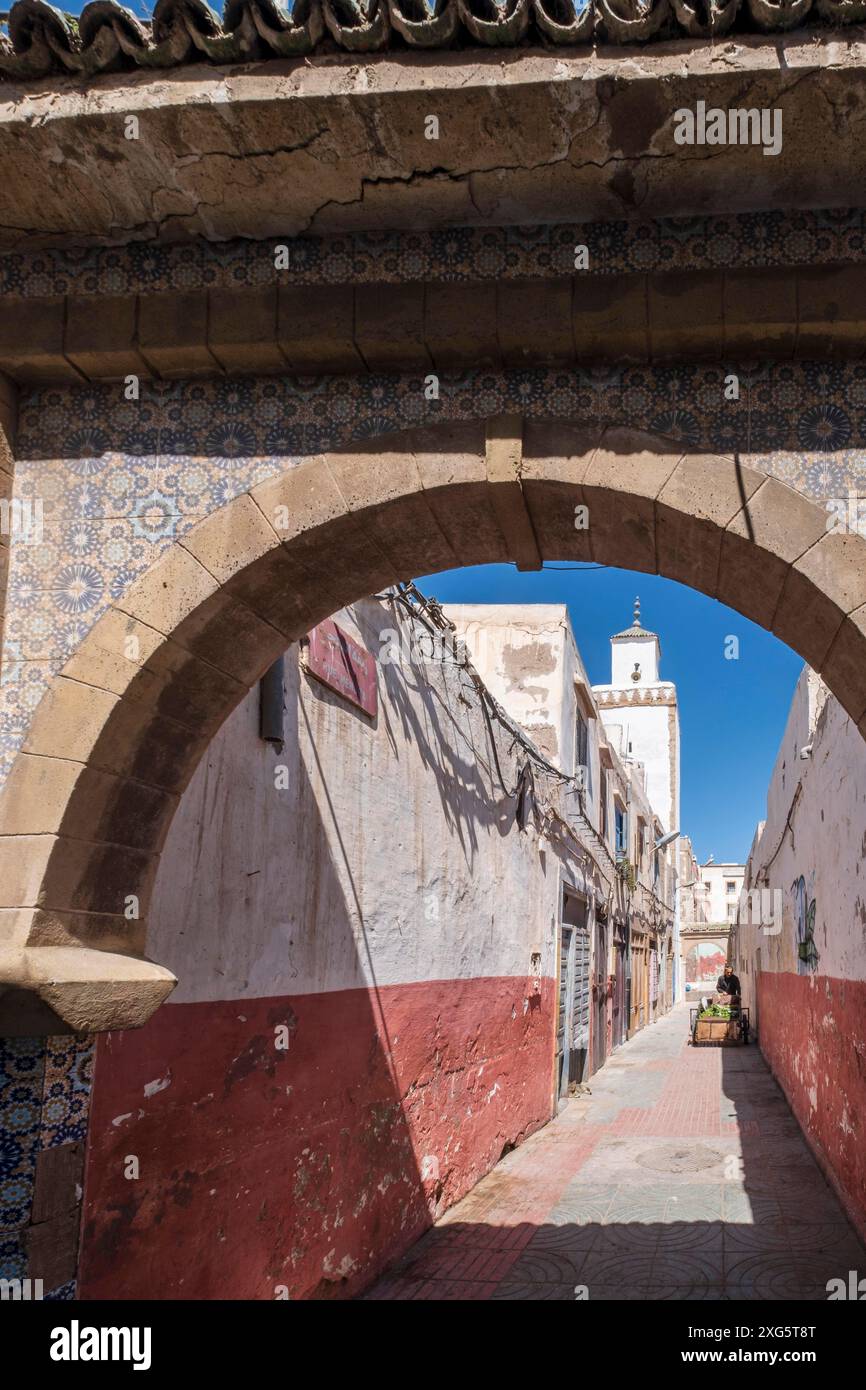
(313, 1167)
(812, 1031)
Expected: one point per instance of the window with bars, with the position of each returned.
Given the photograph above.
(581, 751)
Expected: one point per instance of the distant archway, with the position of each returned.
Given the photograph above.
(704, 962)
(118, 735)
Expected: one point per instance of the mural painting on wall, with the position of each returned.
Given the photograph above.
(804, 916)
(704, 963)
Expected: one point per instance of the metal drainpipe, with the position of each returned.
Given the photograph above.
(271, 704)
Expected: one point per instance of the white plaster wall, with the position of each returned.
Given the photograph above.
(718, 900)
(825, 842)
(392, 857)
(647, 729)
(519, 650)
(624, 655)
(528, 657)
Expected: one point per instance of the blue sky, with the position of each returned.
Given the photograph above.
(142, 8)
(732, 713)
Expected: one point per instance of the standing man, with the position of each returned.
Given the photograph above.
(729, 984)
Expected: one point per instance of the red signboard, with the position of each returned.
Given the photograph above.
(335, 659)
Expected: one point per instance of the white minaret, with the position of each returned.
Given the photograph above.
(644, 708)
(635, 655)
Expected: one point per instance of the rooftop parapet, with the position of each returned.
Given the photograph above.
(107, 37)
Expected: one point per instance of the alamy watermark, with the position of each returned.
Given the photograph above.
(853, 1289)
(715, 126)
(77, 1343)
(21, 519)
(846, 515)
(761, 907)
(400, 647)
(21, 1290)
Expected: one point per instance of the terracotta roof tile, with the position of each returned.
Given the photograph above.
(41, 40)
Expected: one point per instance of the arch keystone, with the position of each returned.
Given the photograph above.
(555, 460)
(503, 463)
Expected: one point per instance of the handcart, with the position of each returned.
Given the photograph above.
(709, 1029)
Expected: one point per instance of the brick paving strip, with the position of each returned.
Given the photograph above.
(683, 1175)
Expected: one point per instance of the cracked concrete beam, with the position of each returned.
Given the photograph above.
(503, 459)
(831, 312)
(685, 316)
(277, 150)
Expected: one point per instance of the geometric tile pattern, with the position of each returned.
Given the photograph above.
(22, 1079)
(744, 240)
(805, 409)
(634, 1196)
(44, 1096)
(66, 1091)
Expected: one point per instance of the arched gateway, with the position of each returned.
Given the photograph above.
(117, 737)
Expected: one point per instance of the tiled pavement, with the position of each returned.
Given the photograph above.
(682, 1176)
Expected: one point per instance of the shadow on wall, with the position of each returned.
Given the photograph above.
(221, 1166)
(449, 751)
(257, 1167)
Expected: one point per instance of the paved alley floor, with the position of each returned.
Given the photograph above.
(683, 1175)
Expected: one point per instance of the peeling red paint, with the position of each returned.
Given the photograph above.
(812, 1031)
(303, 1167)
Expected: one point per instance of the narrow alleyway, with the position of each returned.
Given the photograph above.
(682, 1176)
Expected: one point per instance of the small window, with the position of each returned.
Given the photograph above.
(581, 750)
(621, 840)
(731, 886)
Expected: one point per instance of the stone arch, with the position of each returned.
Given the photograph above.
(119, 733)
(695, 945)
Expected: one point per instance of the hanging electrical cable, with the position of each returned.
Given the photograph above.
(430, 614)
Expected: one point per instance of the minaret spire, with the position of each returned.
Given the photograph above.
(637, 611)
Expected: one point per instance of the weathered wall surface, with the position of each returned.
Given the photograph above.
(522, 653)
(525, 137)
(645, 712)
(383, 908)
(804, 970)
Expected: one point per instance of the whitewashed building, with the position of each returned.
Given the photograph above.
(641, 714)
(800, 949)
(722, 885)
(529, 659)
